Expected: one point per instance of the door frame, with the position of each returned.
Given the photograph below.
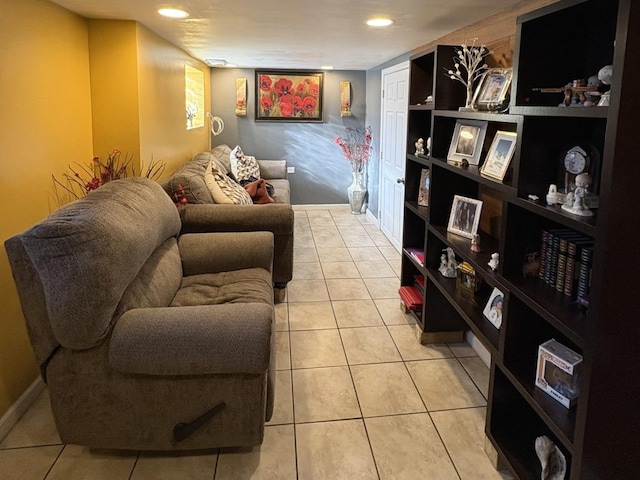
(387, 71)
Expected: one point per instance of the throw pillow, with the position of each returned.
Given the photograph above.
(223, 189)
(258, 191)
(244, 167)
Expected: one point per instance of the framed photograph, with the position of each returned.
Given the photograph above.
(493, 310)
(500, 154)
(465, 216)
(493, 89)
(467, 141)
(289, 96)
(423, 189)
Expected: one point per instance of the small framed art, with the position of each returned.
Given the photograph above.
(493, 310)
(500, 154)
(467, 140)
(423, 189)
(465, 216)
(493, 88)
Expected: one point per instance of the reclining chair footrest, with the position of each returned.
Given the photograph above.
(184, 430)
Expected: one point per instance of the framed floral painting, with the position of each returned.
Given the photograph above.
(289, 96)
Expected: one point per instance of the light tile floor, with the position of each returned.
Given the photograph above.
(356, 395)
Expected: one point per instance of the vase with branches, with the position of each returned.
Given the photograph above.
(468, 67)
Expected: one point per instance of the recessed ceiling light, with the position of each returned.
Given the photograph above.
(173, 13)
(379, 22)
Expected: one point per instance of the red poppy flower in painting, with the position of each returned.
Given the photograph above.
(265, 83)
(300, 88)
(297, 103)
(286, 99)
(314, 90)
(283, 87)
(266, 103)
(309, 105)
(286, 109)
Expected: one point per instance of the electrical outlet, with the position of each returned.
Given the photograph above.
(291, 169)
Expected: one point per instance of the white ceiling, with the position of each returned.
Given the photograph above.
(296, 34)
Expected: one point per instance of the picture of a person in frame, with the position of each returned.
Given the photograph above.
(495, 85)
(467, 138)
(464, 216)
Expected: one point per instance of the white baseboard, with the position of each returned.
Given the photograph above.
(20, 406)
(479, 348)
(373, 219)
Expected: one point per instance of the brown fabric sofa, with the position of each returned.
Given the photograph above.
(201, 214)
(139, 332)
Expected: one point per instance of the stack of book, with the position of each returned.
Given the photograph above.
(565, 262)
(411, 298)
(417, 254)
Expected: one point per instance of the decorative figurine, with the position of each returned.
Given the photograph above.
(475, 243)
(575, 200)
(552, 195)
(428, 146)
(552, 461)
(420, 147)
(448, 263)
(495, 260)
(605, 75)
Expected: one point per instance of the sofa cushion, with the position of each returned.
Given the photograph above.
(244, 167)
(188, 180)
(250, 285)
(221, 154)
(223, 189)
(88, 252)
(281, 190)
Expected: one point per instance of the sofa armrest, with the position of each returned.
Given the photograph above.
(276, 218)
(195, 340)
(224, 252)
(273, 169)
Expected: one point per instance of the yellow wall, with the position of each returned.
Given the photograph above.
(72, 88)
(114, 86)
(137, 83)
(45, 124)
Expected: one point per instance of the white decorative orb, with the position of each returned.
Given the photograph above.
(605, 75)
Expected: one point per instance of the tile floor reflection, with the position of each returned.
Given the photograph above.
(356, 395)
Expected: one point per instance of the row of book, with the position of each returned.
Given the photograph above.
(565, 262)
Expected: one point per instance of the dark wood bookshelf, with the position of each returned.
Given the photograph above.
(563, 41)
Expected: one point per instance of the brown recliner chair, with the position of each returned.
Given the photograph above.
(147, 340)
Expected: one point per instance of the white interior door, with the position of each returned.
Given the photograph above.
(393, 139)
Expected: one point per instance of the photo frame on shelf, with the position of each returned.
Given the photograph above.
(465, 216)
(423, 189)
(493, 309)
(499, 155)
(289, 96)
(493, 91)
(467, 141)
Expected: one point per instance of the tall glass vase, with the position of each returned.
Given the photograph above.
(357, 192)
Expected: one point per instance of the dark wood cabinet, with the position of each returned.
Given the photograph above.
(568, 40)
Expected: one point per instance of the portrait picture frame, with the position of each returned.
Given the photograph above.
(424, 187)
(466, 142)
(465, 216)
(493, 89)
(493, 309)
(499, 155)
(289, 96)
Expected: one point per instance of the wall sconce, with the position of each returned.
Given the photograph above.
(241, 97)
(345, 99)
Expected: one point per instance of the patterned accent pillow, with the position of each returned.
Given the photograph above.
(244, 167)
(223, 189)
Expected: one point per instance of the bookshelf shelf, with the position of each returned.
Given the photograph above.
(585, 300)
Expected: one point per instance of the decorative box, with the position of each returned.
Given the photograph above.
(467, 282)
(558, 372)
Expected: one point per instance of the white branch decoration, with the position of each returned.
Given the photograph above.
(471, 60)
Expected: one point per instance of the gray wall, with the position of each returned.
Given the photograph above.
(322, 175)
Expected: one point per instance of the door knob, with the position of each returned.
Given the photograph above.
(400, 180)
